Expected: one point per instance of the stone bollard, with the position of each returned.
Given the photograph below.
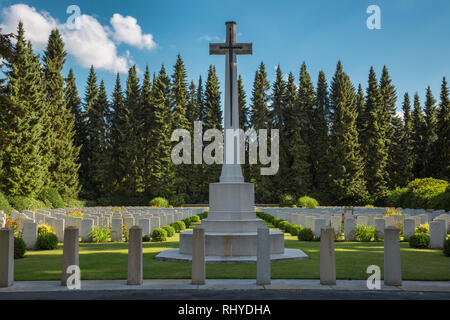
(392, 262)
(349, 229)
(263, 257)
(198, 256)
(135, 264)
(6, 257)
(327, 259)
(116, 229)
(70, 252)
(30, 233)
(380, 225)
(437, 234)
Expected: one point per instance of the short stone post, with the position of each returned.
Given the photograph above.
(70, 252)
(263, 257)
(135, 264)
(349, 229)
(198, 256)
(437, 234)
(327, 259)
(30, 233)
(6, 257)
(392, 262)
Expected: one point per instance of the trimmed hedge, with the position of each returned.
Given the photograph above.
(19, 248)
(47, 241)
(159, 235)
(306, 234)
(160, 202)
(170, 231)
(419, 240)
(307, 202)
(178, 226)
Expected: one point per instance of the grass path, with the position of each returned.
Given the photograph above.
(109, 262)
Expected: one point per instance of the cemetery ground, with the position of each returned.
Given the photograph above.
(108, 261)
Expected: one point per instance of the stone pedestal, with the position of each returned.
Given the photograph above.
(327, 257)
(198, 257)
(6, 257)
(135, 265)
(392, 262)
(263, 259)
(70, 252)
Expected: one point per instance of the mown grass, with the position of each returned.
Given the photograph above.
(109, 262)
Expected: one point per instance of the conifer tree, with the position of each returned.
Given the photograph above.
(443, 126)
(201, 99)
(63, 168)
(161, 174)
(179, 94)
(430, 138)
(244, 123)
(73, 103)
(347, 184)
(147, 122)
(407, 157)
(374, 141)
(361, 120)
(301, 150)
(418, 136)
(321, 146)
(21, 123)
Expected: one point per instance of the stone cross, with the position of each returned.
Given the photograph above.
(231, 172)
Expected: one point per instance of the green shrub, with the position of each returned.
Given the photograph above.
(52, 196)
(394, 198)
(423, 193)
(306, 234)
(38, 205)
(145, 238)
(203, 215)
(295, 229)
(159, 202)
(419, 241)
(187, 222)
(287, 200)
(4, 204)
(178, 226)
(20, 203)
(19, 248)
(195, 218)
(99, 235)
(364, 233)
(307, 202)
(442, 200)
(423, 228)
(75, 203)
(159, 235)
(47, 241)
(170, 231)
(276, 222)
(447, 247)
(283, 225)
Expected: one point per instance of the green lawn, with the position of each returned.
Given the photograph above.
(109, 261)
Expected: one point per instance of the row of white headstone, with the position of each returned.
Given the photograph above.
(147, 218)
(439, 225)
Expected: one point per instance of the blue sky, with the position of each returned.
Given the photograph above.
(413, 41)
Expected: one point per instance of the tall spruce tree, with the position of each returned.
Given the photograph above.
(161, 172)
(407, 157)
(393, 129)
(63, 168)
(21, 123)
(148, 116)
(430, 138)
(418, 136)
(443, 126)
(179, 94)
(361, 120)
(304, 136)
(374, 140)
(347, 184)
(321, 147)
(244, 123)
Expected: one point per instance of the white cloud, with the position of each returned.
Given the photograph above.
(126, 30)
(209, 38)
(37, 25)
(92, 44)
